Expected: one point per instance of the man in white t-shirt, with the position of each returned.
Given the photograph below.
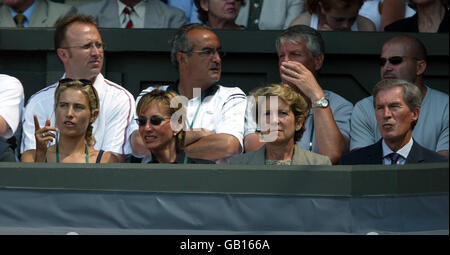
(215, 114)
(80, 48)
(12, 97)
(404, 57)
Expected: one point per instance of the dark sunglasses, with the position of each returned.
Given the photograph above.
(155, 120)
(83, 81)
(395, 60)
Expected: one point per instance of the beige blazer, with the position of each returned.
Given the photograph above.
(45, 14)
(275, 14)
(301, 157)
(157, 14)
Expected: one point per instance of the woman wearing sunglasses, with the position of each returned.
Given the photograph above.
(284, 127)
(162, 137)
(76, 108)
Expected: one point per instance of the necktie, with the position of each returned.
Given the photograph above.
(19, 19)
(394, 158)
(128, 10)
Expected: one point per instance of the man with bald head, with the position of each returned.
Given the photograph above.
(404, 57)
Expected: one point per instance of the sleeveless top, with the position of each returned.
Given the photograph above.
(315, 23)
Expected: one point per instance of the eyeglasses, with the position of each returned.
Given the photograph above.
(99, 45)
(394, 60)
(155, 120)
(83, 81)
(209, 52)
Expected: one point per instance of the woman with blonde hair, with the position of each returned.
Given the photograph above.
(161, 128)
(334, 15)
(281, 125)
(76, 108)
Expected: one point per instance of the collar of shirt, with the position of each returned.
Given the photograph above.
(137, 16)
(27, 13)
(404, 151)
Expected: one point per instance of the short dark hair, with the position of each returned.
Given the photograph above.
(297, 33)
(63, 23)
(181, 43)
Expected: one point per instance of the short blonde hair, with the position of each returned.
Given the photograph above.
(295, 100)
(163, 98)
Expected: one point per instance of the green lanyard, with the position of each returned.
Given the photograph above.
(312, 134)
(57, 152)
(193, 120)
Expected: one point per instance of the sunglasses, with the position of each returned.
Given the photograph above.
(83, 81)
(395, 60)
(155, 120)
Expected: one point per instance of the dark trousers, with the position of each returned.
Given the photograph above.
(7, 155)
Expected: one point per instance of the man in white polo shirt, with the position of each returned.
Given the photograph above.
(81, 50)
(215, 114)
(12, 97)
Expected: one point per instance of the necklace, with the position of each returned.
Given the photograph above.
(85, 151)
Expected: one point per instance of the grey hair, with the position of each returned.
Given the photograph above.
(299, 33)
(411, 93)
(181, 43)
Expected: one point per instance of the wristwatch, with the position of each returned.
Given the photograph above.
(322, 103)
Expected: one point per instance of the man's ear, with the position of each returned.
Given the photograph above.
(318, 61)
(63, 54)
(181, 58)
(421, 66)
(415, 114)
(204, 5)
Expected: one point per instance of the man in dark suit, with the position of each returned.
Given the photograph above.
(397, 107)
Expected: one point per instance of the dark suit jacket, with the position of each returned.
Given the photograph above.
(157, 14)
(373, 154)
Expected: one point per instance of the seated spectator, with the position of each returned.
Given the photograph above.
(283, 128)
(219, 14)
(76, 108)
(134, 14)
(162, 136)
(397, 107)
(215, 113)
(300, 51)
(269, 14)
(189, 8)
(11, 97)
(32, 13)
(384, 12)
(405, 57)
(334, 15)
(431, 17)
(80, 48)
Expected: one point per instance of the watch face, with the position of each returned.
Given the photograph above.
(324, 102)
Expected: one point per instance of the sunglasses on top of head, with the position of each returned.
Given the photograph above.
(394, 60)
(155, 120)
(83, 81)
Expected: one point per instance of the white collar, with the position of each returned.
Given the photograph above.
(404, 151)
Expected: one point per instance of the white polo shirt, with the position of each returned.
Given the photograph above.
(117, 107)
(12, 98)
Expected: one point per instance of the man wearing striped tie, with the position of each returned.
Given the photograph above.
(397, 107)
(134, 14)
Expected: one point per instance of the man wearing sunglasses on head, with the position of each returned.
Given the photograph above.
(80, 48)
(214, 122)
(404, 57)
